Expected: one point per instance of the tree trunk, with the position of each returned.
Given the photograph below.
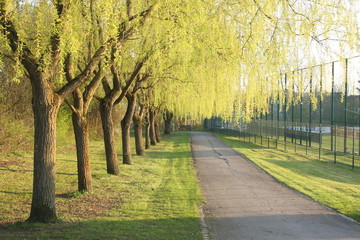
(125, 129)
(138, 131)
(157, 127)
(81, 131)
(152, 128)
(112, 164)
(147, 133)
(167, 119)
(45, 107)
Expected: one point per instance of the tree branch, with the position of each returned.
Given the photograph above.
(26, 57)
(61, 6)
(91, 89)
(132, 78)
(89, 69)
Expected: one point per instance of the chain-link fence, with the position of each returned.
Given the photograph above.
(316, 112)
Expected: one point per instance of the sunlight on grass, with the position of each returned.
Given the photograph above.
(155, 198)
(336, 186)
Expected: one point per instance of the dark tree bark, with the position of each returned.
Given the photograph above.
(125, 128)
(106, 110)
(157, 126)
(114, 96)
(138, 131)
(147, 132)
(45, 107)
(81, 131)
(80, 108)
(168, 116)
(152, 127)
(46, 103)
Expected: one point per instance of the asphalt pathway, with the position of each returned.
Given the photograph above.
(243, 202)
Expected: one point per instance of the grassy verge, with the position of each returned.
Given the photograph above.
(336, 186)
(155, 198)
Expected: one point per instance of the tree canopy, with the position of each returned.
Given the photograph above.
(212, 50)
(190, 58)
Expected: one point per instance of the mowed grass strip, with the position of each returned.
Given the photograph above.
(335, 186)
(157, 197)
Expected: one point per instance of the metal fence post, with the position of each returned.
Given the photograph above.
(285, 112)
(335, 144)
(310, 107)
(320, 140)
(320, 111)
(261, 140)
(307, 139)
(345, 104)
(332, 104)
(353, 148)
(295, 138)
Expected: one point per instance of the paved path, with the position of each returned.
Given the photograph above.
(243, 202)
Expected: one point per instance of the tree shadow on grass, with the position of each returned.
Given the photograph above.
(15, 170)
(179, 228)
(271, 227)
(68, 195)
(324, 170)
(168, 155)
(17, 193)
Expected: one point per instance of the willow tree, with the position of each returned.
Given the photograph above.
(41, 57)
(281, 36)
(83, 98)
(39, 36)
(259, 40)
(201, 82)
(137, 15)
(173, 37)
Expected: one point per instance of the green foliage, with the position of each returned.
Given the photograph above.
(220, 54)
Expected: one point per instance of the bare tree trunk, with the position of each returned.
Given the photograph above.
(157, 126)
(138, 131)
(125, 129)
(106, 110)
(167, 120)
(81, 131)
(147, 133)
(152, 128)
(45, 107)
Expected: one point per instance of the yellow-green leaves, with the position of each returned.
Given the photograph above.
(204, 56)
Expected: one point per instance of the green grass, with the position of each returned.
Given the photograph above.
(157, 197)
(336, 186)
(310, 152)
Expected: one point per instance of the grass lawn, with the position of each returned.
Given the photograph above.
(336, 186)
(157, 197)
(312, 152)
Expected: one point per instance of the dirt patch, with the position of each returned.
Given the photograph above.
(87, 205)
(11, 161)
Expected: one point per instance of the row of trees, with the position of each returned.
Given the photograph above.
(193, 58)
(75, 51)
